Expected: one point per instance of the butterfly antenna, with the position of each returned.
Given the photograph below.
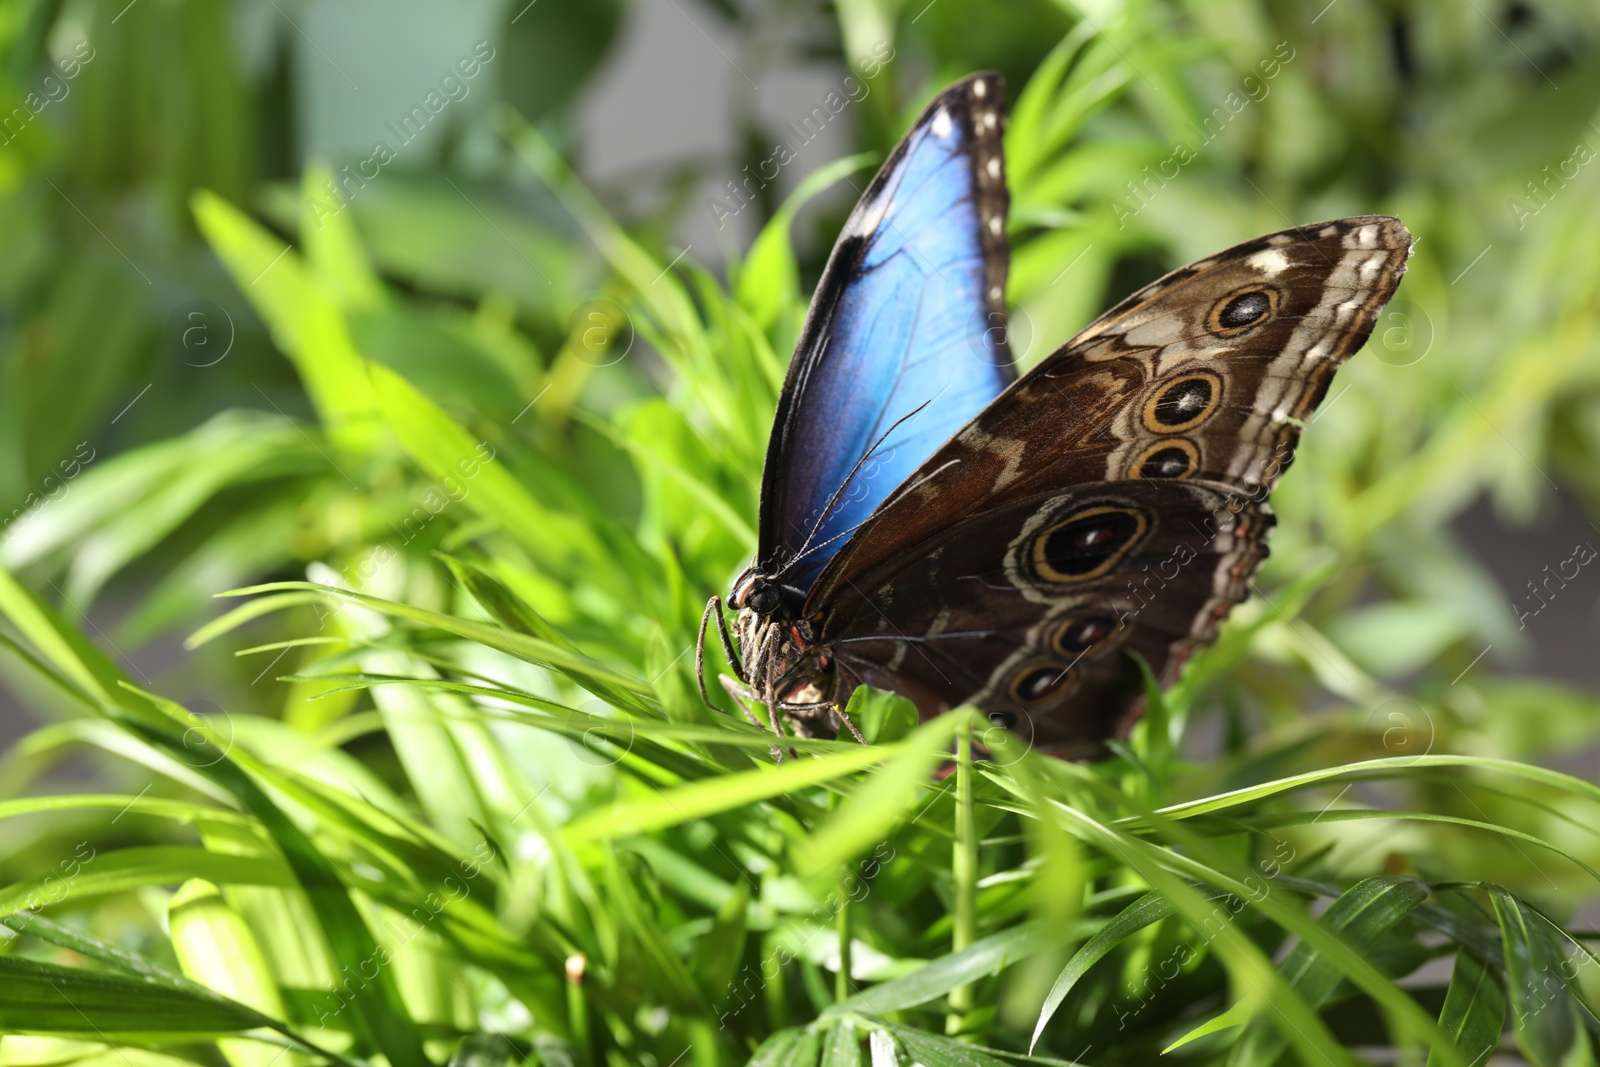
(834, 499)
(847, 532)
(820, 545)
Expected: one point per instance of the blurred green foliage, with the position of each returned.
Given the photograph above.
(444, 790)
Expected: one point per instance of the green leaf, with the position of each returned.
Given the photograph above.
(882, 717)
(377, 1005)
(446, 451)
(216, 948)
(1238, 1015)
(1261, 983)
(930, 1050)
(649, 455)
(1474, 1013)
(1396, 766)
(44, 998)
(723, 946)
(79, 664)
(780, 1050)
(611, 686)
(1542, 1013)
(305, 321)
(673, 807)
(843, 1046)
(982, 958)
(504, 606)
(548, 51)
(335, 260)
(662, 296)
(1148, 909)
(1360, 917)
(769, 280)
(92, 873)
(879, 804)
(140, 968)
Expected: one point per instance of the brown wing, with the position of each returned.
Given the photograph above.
(1146, 444)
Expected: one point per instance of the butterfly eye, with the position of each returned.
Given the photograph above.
(1183, 403)
(1234, 314)
(1006, 720)
(1086, 544)
(762, 597)
(1039, 680)
(1076, 636)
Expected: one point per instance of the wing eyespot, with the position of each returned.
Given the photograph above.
(1086, 544)
(1242, 310)
(1038, 681)
(1173, 457)
(1077, 635)
(1183, 403)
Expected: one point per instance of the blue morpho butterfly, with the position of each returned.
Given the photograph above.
(933, 525)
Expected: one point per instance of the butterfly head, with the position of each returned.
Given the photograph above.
(756, 592)
(765, 596)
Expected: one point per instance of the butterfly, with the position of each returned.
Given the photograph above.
(934, 525)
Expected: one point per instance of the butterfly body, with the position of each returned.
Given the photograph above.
(934, 526)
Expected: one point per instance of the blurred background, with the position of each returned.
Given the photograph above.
(157, 447)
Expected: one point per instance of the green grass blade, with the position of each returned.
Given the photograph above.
(1148, 909)
(1360, 917)
(57, 644)
(94, 873)
(1267, 988)
(250, 610)
(44, 998)
(216, 948)
(843, 1046)
(503, 605)
(985, 957)
(1389, 767)
(780, 1049)
(1364, 815)
(141, 968)
(878, 806)
(449, 453)
(610, 685)
(1541, 1007)
(377, 1005)
(305, 322)
(1474, 1013)
(931, 1050)
(699, 799)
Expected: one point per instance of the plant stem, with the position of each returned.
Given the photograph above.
(578, 1008)
(964, 868)
(841, 981)
(842, 924)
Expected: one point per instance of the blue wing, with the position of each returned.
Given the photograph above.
(904, 342)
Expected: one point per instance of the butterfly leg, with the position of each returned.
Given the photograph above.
(744, 696)
(713, 608)
(741, 694)
(839, 711)
(769, 688)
